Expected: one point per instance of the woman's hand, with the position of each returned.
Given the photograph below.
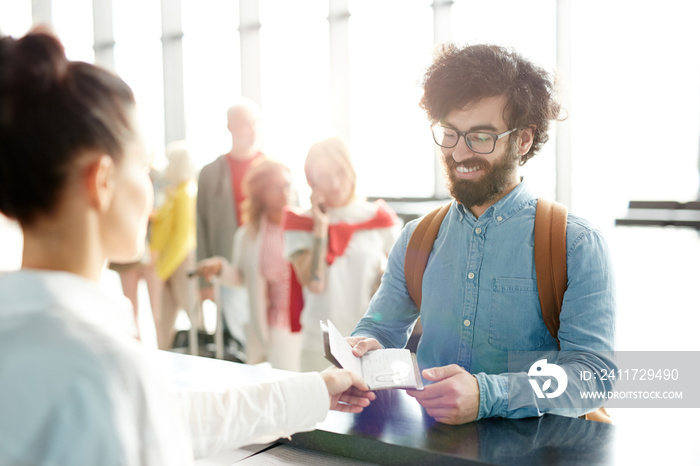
(310, 264)
(319, 214)
(347, 391)
(211, 267)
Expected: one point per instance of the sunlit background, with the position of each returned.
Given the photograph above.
(629, 72)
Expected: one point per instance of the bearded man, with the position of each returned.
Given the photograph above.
(490, 110)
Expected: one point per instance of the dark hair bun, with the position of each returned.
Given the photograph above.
(51, 110)
(36, 63)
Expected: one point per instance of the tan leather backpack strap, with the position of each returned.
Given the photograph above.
(550, 260)
(418, 250)
(550, 267)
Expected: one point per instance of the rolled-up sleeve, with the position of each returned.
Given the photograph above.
(391, 313)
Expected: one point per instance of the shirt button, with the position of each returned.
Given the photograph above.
(467, 323)
(499, 218)
(478, 230)
(471, 276)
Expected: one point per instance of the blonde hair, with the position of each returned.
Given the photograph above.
(180, 165)
(255, 182)
(334, 149)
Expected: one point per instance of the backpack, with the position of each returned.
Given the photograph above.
(550, 264)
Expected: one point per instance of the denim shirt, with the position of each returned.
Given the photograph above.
(480, 301)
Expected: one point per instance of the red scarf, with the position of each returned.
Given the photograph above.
(296, 301)
(339, 236)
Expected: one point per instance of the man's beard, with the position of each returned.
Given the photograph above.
(497, 178)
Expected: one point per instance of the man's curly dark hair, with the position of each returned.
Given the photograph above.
(460, 76)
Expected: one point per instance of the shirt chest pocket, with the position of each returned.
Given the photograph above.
(516, 319)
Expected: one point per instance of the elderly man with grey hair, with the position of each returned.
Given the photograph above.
(219, 211)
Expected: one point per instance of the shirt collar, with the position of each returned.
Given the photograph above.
(30, 290)
(505, 208)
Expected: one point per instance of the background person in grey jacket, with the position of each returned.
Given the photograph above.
(219, 202)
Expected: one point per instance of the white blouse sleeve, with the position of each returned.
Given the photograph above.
(258, 413)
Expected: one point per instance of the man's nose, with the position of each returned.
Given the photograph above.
(461, 151)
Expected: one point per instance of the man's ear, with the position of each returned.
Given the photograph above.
(99, 182)
(526, 138)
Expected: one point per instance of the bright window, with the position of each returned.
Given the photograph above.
(212, 74)
(73, 23)
(391, 43)
(15, 18)
(295, 81)
(138, 56)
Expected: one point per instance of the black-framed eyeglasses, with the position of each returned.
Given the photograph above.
(478, 141)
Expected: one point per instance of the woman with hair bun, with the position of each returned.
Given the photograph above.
(75, 386)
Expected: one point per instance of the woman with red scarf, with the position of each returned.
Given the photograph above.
(338, 248)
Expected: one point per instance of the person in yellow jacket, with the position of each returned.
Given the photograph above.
(173, 241)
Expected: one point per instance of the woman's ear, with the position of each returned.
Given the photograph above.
(99, 182)
(526, 138)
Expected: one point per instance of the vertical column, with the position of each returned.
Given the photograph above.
(173, 79)
(339, 40)
(442, 32)
(42, 12)
(563, 159)
(442, 21)
(103, 33)
(249, 30)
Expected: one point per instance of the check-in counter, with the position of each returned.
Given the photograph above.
(396, 430)
(662, 214)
